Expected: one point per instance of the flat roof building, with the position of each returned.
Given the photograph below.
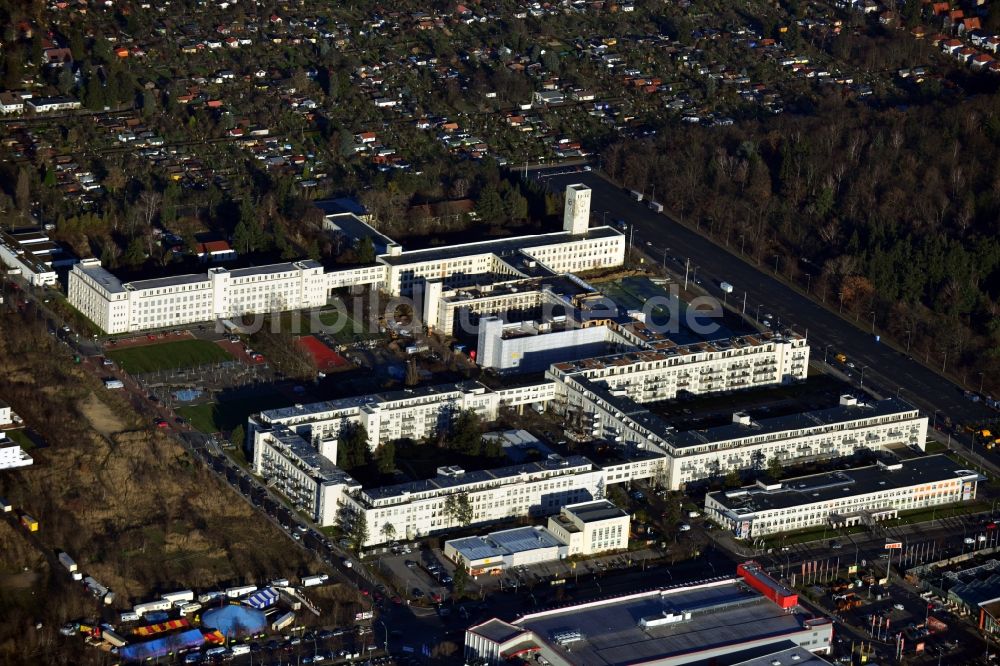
(719, 621)
(507, 549)
(589, 528)
(842, 498)
(118, 307)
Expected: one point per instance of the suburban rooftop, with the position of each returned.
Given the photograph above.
(835, 485)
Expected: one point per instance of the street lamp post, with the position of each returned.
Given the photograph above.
(873, 322)
(826, 351)
(909, 335)
(809, 279)
(981, 378)
(862, 384)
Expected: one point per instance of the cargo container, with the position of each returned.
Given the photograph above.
(279, 582)
(635, 195)
(656, 207)
(113, 384)
(149, 606)
(67, 561)
(243, 590)
(109, 598)
(128, 616)
(77, 576)
(6, 506)
(311, 581)
(755, 576)
(178, 598)
(283, 622)
(29, 523)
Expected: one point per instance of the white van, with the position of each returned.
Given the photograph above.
(238, 650)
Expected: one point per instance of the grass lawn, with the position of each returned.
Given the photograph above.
(937, 513)
(226, 415)
(20, 437)
(168, 356)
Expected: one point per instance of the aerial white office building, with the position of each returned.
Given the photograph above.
(118, 307)
(863, 495)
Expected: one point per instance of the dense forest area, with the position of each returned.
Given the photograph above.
(891, 212)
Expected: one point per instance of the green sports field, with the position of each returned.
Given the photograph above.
(169, 356)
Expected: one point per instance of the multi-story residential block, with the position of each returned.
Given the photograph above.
(419, 508)
(864, 495)
(302, 472)
(827, 433)
(413, 413)
(663, 368)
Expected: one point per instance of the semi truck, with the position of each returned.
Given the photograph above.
(67, 561)
(311, 581)
(29, 523)
(656, 207)
(6, 506)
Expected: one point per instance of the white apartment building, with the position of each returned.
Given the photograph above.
(6, 415)
(303, 473)
(590, 528)
(11, 455)
(417, 509)
(828, 433)
(413, 413)
(660, 372)
(118, 307)
(843, 498)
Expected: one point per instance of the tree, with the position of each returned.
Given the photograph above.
(366, 251)
(466, 433)
(490, 206)
(515, 204)
(385, 457)
(135, 255)
(459, 581)
(358, 531)
(774, 468)
(733, 479)
(352, 448)
(389, 531)
(458, 508)
(238, 436)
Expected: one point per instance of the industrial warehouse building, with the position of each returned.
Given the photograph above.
(843, 498)
(118, 307)
(717, 621)
(587, 528)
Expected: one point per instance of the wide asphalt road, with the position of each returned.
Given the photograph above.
(664, 240)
